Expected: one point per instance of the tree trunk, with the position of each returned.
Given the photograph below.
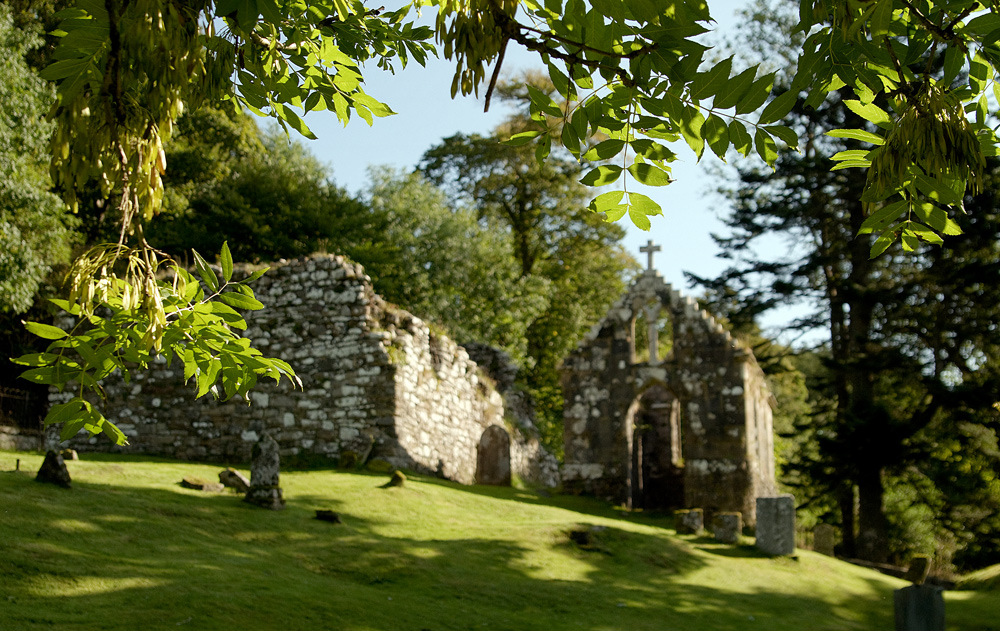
(872, 543)
(845, 498)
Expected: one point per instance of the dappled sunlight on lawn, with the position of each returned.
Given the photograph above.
(431, 555)
(92, 586)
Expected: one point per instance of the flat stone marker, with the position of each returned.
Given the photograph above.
(234, 479)
(919, 608)
(689, 521)
(776, 525)
(265, 469)
(727, 527)
(824, 539)
(198, 484)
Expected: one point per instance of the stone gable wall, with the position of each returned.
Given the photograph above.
(376, 383)
(725, 413)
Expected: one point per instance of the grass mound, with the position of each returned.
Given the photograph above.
(129, 548)
(986, 579)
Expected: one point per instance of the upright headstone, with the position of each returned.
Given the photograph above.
(689, 521)
(265, 466)
(493, 457)
(920, 567)
(727, 527)
(919, 608)
(776, 525)
(54, 470)
(824, 539)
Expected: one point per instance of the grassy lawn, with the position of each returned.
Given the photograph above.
(128, 548)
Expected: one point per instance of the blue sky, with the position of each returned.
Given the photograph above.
(426, 114)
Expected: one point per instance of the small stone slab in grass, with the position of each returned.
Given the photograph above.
(234, 479)
(328, 515)
(585, 537)
(199, 484)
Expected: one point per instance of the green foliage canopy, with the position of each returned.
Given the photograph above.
(632, 73)
(439, 261)
(34, 224)
(912, 349)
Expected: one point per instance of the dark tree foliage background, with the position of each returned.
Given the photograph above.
(36, 229)
(901, 434)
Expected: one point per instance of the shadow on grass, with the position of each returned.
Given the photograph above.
(576, 503)
(107, 557)
(741, 551)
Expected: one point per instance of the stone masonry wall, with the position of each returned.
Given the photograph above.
(725, 414)
(377, 383)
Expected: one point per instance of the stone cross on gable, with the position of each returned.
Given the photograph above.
(649, 249)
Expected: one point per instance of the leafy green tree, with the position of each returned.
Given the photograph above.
(268, 197)
(35, 227)
(542, 206)
(442, 264)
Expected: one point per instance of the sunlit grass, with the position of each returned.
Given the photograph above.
(128, 548)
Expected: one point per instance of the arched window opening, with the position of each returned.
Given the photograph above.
(652, 334)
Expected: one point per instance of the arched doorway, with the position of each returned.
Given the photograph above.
(657, 465)
(493, 462)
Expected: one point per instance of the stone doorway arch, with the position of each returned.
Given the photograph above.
(493, 460)
(656, 479)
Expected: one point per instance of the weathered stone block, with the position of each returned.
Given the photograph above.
(776, 525)
(824, 539)
(727, 527)
(689, 521)
(234, 479)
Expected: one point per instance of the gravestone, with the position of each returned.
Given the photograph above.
(265, 469)
(920, 567)
(776, 525)
(398, 479)
(824, 539)
(919, 608)
(727, 527)
(199, 484)
(234, 479)
(689, 521)
(493, 461)
(54, 470)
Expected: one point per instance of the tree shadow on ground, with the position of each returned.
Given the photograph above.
(545, 497)
(109, 557)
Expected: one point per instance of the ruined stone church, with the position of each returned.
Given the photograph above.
(378, 385)
(664, 409)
